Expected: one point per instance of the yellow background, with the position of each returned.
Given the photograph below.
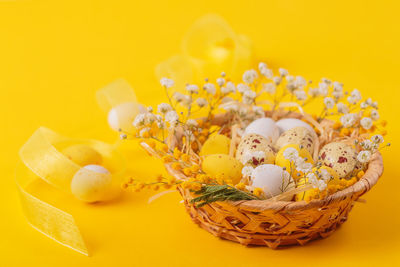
(54, 56)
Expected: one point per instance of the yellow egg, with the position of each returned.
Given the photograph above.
(215, 144)
(82, 154)
(281, 161)
(93, 183)
(224, 166)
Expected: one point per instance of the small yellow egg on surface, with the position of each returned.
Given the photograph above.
(223, 166)
(121, 116)
(215, 144)
(82, 154)
(93, 183)
(280, 160)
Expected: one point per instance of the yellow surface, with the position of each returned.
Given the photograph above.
(55, 55)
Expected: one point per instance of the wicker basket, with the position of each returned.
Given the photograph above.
(279, 223)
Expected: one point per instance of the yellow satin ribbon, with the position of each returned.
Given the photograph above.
(41, 159)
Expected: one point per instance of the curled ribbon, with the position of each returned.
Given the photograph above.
(41, 159)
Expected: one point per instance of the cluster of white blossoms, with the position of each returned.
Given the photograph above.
(369, 147)
(318, 179)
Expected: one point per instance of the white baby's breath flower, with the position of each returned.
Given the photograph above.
(172, 117)
(323, 89)
(337, 94)
(304, 166)
(167, 83)
(179, 97)
(321, 185)
(248, 97)
(364, 105)
(201, 102)
(337, 86)
(220, 81)
(375, 115)
(139, 120)
(283, 72)
(259, 111)
(374, 104)
(241, 87)
(290, 154)
(149, 118)
(364, 156)
(348, 120)
(342, 108)
(247, 171)
(289, 78)
(192, 123)
(300, 95)
(366, 123)
(192, 88)
(325, 175)
(354, 97)
(277, 80)
(300, 82)
(329, 102)
(249, 76)
(210, 88)
(312, 178)
(367, 144)
(262, 65)
(267, 73)
(228, 88)
(377, 139)
(269, 88)
(164, 108)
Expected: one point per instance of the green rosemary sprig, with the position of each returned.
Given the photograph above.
(212, 193)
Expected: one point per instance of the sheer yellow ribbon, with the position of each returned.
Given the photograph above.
(41, 159)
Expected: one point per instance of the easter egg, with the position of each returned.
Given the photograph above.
(215, 144)
(223, 166)
(93, 183)
(254, 143)
(340, 157)
(121, 116)
(299, 135)
(265, 127)
(82, 154)
(280, 159)
(272, 179)
(287, 124)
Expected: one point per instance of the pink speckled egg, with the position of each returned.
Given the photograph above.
(340, 157)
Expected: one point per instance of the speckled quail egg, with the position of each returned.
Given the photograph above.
(340, 157)
(252, 143)
(300, 136)
(290, 123)
(272, 179)
(265, 127)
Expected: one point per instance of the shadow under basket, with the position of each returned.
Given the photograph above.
(280, 223)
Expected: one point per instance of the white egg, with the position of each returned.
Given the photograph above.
(122, 116)
(287, 124)
(272, 179)
(93, 183)
(265, 127)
